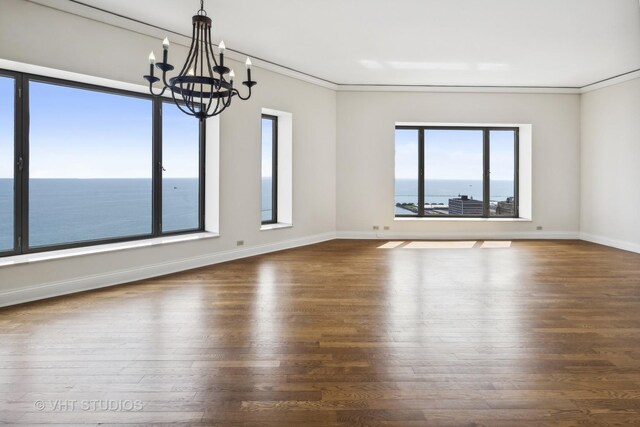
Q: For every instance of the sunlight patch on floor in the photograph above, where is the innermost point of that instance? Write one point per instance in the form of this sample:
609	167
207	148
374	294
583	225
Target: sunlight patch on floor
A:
447	244
492	244
390	245
441	244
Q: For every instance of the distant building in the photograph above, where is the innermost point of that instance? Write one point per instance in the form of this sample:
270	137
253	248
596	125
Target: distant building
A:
505	208
463	205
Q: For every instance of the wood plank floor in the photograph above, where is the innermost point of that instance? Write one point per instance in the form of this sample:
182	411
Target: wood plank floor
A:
341	334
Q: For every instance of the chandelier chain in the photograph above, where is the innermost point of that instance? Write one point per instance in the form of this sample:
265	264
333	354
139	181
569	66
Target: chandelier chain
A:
202	12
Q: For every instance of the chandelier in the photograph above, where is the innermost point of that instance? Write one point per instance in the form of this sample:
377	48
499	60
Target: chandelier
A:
204	86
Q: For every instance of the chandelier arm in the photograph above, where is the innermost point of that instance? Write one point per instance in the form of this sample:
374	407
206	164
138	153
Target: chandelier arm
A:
188	112
199	100
154	94
164	80
237	93
200	54
215	109
219	109
193	66
188	60
205	70
213	87
209	53
178	104
228	101
189	98
160	93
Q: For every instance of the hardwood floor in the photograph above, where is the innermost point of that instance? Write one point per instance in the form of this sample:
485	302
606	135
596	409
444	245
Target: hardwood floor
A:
341	334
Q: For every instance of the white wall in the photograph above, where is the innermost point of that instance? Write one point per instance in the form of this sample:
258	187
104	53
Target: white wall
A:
38	35
365	167
611	165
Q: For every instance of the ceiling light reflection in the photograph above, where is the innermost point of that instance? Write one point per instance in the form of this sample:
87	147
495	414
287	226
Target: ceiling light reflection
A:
446	66
493	67
371	64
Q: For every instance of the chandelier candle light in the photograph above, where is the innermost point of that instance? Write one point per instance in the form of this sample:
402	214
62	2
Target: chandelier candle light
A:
204	86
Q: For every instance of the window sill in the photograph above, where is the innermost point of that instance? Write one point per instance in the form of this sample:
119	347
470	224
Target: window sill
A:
464	219
275	226
97	249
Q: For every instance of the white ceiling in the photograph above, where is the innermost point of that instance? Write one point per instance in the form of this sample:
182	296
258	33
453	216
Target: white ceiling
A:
550	43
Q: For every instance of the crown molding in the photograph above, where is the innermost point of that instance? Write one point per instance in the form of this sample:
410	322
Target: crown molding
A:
611	81
460	89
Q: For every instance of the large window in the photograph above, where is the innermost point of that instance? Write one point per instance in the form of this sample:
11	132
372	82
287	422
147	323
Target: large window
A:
461	171
269	175
95	165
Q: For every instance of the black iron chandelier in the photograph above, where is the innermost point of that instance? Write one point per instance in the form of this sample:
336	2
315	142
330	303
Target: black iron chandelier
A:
204	86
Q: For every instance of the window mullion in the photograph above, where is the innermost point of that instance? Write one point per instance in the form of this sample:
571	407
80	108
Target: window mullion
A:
156	173
274	173
22	176
202	138
421	200
516	178
486	176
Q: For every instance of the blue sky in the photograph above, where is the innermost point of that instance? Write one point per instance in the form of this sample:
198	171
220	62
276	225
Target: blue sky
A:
180	144
86	134
267	150
6	127
78	133
454	154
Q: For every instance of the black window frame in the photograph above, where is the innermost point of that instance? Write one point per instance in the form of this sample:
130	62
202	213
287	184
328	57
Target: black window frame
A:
17	154
486	174
21	156
274	170
201	165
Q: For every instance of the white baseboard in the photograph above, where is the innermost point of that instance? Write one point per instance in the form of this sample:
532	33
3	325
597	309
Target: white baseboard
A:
618	244
54	289
466	235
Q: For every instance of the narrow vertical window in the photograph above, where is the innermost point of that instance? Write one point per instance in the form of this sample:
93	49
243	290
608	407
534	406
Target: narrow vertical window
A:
407	176
180	170
90	165
502	173
7	171
269	174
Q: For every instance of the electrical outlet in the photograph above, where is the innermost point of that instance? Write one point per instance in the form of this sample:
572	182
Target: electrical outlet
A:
386	227
375	227
539	227
240	243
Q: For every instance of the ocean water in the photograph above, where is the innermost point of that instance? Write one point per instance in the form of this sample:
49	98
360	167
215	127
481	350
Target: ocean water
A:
76	210
441	190
6	214
266	205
